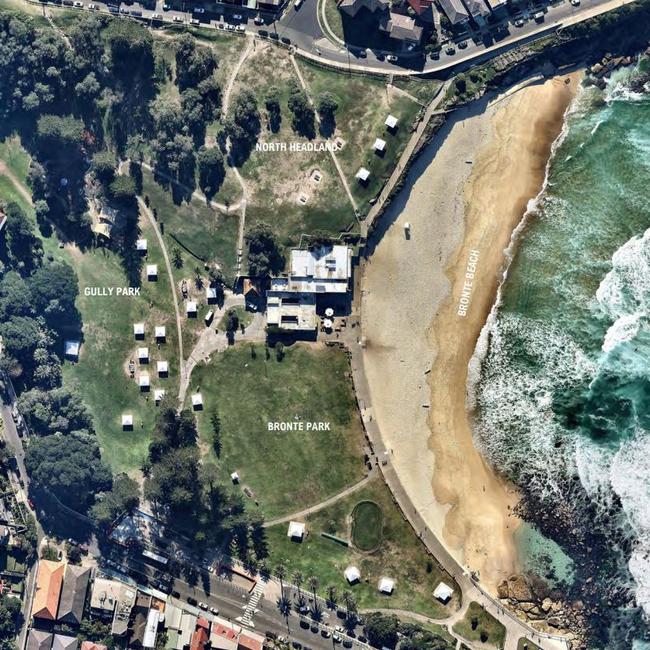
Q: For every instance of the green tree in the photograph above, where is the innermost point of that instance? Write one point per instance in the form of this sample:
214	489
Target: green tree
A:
103	165
59	132
264	252
212	170
327	106
272	105
381	630
123	190
303	116
24	247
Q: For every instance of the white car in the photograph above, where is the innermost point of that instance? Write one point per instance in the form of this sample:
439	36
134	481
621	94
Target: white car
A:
575	3
203	606
195	21
79	5
237	17
258	20
93	7
391	58
214	611
198	10
178	19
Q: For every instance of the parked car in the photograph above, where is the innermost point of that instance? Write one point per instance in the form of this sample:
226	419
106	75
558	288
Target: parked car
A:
462	45
304	624
137	13
176	594
93	7
198	10
156	16
192	601
539	16
237	17
203	606
274	36
263	32
325	633
297	4
450	50
258	20
195	21
575	3
286	40
178	19
391	58
79	5
68	3
214	610
520	22
166	7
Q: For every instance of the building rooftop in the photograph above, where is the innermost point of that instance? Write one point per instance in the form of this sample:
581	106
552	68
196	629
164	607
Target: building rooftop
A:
401	27
73	594
49	582
291	311
455	11
123	606
105	594
38	640
63	642
296	530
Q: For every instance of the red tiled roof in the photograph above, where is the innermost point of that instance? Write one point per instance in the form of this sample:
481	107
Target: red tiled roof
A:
49	581
199	639
249	643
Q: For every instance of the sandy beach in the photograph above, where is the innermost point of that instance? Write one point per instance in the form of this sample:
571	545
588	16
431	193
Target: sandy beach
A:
426	298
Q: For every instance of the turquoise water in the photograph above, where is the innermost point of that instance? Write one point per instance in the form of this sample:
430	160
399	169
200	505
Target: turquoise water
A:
563	400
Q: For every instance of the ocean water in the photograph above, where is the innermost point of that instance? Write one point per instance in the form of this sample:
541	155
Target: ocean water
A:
562	397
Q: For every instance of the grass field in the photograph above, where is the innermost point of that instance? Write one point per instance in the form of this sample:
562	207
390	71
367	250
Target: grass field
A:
367	524
364	104
277	179
478	626
194	227
102	372
286	470
400	556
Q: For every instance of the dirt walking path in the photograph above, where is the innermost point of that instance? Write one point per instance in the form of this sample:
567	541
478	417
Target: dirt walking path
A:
19	187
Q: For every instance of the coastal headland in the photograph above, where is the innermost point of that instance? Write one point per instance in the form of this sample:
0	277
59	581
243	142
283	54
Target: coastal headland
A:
428	288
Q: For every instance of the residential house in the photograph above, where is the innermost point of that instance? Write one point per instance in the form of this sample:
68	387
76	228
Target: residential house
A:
91	645
456	12
49	581
104	597
478	10
352	7
73	594
423	8
38	640
64	642
401	28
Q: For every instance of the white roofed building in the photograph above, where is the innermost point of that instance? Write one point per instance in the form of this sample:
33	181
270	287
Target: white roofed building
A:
296	531
71	349
163	368
141	245
160	332
197	401
352	574
152	271
138	330
443	592
386	585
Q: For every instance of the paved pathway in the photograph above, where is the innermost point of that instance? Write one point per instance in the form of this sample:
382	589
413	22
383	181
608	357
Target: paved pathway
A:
377	208
323	504
211	341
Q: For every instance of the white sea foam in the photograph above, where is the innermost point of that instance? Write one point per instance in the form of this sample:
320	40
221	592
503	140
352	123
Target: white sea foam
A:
630	478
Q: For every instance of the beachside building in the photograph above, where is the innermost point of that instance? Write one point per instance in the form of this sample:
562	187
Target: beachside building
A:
352	574
49	582
386	585
73	594
321	273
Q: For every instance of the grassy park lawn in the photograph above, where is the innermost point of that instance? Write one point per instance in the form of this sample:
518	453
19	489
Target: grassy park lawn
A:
108	344
423	89
480	626
286	470
201	233
364	104
277	179
400	556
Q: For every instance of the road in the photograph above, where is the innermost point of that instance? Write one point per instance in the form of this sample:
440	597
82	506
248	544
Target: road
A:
302	30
